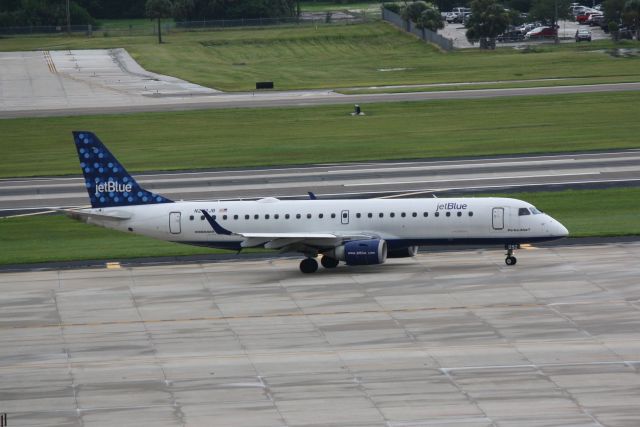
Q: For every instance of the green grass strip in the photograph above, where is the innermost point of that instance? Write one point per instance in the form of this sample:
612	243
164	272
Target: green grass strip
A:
586	213
333	56
285	136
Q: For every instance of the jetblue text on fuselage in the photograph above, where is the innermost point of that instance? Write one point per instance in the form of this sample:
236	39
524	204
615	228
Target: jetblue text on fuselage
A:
112	187
451	206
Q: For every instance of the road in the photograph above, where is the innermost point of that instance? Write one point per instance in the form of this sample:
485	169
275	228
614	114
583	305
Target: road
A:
374	179
308	98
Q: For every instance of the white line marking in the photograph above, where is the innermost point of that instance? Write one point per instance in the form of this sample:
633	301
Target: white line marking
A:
466	179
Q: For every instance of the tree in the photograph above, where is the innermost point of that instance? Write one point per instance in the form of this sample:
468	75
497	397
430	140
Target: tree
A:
613	10
632	14
430	19
412	11
159	9
488	20
550	11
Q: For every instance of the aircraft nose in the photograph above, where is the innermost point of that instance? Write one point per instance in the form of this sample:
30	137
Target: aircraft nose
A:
560	230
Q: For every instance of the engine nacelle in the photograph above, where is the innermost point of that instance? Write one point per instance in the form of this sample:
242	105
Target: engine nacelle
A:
403	252
361	252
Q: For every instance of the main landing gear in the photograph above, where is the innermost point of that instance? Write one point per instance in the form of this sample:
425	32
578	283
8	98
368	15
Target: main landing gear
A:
310	265
510	259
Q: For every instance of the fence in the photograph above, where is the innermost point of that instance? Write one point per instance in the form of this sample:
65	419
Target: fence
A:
424	33
150	28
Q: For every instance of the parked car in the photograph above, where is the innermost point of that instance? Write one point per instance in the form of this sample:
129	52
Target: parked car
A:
450	17
625	33
582	17
595	19
582	34
510	36
541	33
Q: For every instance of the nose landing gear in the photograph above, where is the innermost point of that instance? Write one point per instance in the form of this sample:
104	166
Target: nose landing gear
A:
510	259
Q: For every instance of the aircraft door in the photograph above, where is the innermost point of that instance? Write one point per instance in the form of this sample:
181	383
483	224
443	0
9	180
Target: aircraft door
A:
498	219
174	222
344	217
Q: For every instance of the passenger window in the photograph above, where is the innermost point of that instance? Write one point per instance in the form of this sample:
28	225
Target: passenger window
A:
333	215
426	214
345	215
247	217
298	216
309	216
287	216
523	211
266	216
415	214
437	214
224	217
403	214
381	215
370	215
201	217
235	217
392	214
459	213
320	216
256	216
191	218
470	213
448	214
358	215
276	216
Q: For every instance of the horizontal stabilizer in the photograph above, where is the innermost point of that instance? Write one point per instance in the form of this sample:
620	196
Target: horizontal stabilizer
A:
86	213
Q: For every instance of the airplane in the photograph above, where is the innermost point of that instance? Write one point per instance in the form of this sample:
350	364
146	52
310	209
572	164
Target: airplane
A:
354	231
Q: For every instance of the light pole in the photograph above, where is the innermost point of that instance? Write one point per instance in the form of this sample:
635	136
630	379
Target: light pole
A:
555	22
68	18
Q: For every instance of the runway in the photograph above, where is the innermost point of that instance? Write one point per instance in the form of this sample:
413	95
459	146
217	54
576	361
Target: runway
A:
417	178
444	339
109	81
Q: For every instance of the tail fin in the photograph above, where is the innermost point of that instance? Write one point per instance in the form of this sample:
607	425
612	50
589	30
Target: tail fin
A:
107	182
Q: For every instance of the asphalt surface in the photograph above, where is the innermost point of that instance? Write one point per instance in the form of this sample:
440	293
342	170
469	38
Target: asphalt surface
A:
356	180
444	339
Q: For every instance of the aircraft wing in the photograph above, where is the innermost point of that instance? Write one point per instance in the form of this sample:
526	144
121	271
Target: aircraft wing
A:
286	240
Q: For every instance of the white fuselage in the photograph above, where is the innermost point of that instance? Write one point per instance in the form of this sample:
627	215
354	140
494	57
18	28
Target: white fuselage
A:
400	222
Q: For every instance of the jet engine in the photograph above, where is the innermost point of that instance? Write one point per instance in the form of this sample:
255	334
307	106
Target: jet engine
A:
361	252
403	252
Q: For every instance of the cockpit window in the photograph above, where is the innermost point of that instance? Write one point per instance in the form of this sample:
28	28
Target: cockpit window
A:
535	211
523	211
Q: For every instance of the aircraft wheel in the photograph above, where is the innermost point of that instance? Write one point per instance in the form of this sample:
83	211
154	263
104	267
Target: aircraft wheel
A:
328	262
510	260
308	265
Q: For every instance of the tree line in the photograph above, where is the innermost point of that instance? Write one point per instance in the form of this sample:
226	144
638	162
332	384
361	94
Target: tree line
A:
490	18
54	12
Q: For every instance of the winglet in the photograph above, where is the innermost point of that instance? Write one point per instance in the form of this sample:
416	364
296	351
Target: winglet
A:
216	227
312	196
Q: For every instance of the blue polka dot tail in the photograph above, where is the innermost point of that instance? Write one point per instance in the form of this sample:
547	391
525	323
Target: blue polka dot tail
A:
107	181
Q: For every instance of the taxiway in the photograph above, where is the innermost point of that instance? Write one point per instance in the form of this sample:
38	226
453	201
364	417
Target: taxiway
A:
444	339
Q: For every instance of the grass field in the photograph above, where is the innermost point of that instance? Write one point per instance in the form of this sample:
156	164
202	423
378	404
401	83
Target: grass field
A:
340	56
280	136
57	238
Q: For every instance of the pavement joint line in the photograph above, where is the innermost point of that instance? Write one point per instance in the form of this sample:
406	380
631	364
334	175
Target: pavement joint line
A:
303	314
627	363
146	360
